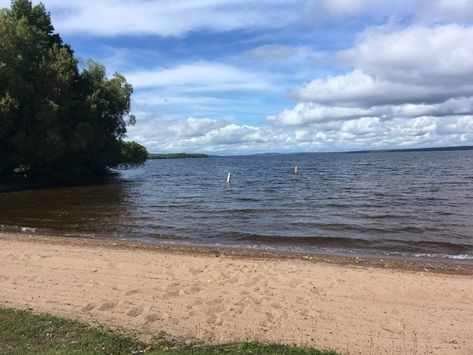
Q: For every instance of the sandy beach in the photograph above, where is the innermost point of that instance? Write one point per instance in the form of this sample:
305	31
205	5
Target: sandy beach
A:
218	296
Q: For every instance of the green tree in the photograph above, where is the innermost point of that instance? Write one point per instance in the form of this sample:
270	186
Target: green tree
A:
132	153
56	122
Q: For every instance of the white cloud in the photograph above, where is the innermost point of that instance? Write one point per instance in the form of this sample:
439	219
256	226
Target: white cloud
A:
305	113
191	134
399	75
392	66
279	52
169	18
446	10
358	89
178	18
407	87
308	113
200	76
439	55
352	7
222	137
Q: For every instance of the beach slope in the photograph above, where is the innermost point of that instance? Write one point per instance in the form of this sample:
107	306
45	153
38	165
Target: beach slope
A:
220	298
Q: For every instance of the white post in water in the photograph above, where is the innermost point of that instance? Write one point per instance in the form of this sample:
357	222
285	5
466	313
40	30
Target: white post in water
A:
296	170
229	178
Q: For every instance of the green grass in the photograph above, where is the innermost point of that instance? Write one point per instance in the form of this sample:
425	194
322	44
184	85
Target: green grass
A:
26	333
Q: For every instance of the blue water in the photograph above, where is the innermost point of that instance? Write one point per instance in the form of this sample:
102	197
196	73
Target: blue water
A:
409	204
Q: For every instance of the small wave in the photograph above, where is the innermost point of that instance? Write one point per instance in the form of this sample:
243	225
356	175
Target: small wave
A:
166	237
381	245
433	256
461	257
248	199
27	230
8	228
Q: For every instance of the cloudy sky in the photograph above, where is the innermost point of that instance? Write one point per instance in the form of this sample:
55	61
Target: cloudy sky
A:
245	76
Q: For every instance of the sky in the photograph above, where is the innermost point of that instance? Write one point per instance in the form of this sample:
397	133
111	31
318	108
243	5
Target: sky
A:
242	77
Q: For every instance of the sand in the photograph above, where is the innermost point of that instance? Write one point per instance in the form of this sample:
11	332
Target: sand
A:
218	297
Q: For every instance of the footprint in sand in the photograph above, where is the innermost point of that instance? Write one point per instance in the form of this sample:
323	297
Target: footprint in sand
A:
304	312
111	265
196	271
211	320
132	292
214	306
152	317
213	301
11	256
294	283
253	281
106	306
171	294
258	301
196	303
269	317
88	307
195	289
135	312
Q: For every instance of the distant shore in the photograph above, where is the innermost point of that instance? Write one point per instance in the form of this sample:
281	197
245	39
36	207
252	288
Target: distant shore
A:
221	295
176	156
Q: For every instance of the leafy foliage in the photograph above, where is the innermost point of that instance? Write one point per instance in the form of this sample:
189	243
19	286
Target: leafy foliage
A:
132	153
56	122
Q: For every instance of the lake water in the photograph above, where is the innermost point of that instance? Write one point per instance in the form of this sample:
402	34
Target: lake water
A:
409	204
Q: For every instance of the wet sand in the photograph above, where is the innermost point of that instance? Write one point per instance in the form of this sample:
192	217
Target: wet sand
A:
223	295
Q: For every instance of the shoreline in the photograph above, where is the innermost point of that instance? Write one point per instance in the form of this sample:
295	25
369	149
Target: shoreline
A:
217	296
440	266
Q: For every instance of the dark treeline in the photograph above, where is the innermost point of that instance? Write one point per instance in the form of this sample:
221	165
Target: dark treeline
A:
57	122
176	155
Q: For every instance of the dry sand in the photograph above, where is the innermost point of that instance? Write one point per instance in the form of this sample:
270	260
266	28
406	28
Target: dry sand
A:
197	295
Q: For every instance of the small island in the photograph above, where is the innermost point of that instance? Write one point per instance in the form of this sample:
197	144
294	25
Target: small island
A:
176	155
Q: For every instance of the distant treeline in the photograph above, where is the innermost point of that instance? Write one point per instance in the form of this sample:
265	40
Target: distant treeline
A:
176	156
407	150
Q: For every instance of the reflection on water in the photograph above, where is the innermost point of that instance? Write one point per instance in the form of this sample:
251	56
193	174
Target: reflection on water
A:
407	203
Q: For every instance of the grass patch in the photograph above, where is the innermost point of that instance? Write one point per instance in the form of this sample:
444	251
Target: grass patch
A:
23	332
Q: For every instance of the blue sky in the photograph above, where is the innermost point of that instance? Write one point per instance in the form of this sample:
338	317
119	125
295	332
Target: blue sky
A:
240	76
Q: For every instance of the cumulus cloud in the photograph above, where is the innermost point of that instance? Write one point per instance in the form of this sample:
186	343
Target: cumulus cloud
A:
307	113
435	56
398	73
409	65
357	88
407	87
216	136
203	134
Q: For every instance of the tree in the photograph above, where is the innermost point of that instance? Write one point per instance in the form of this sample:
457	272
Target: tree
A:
132	153
56	122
